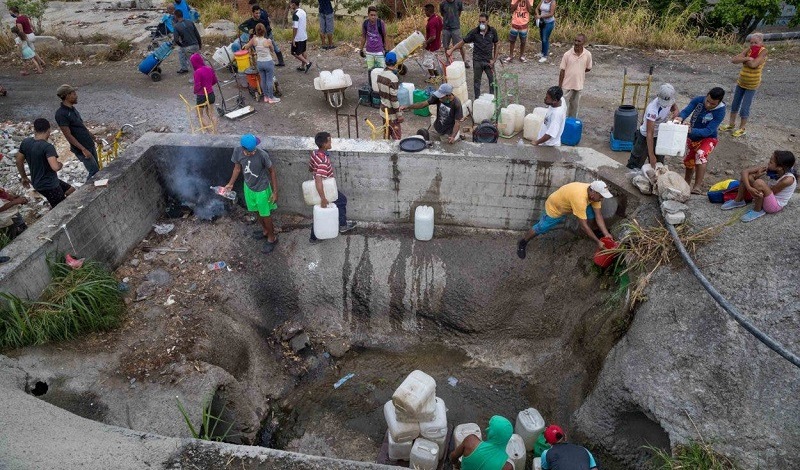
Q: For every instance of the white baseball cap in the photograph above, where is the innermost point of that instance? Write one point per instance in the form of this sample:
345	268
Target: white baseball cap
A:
602	188
666	95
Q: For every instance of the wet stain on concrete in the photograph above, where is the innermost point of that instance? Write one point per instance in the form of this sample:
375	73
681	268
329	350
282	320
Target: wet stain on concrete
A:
433	198
361	290
346	313
396	181
397	284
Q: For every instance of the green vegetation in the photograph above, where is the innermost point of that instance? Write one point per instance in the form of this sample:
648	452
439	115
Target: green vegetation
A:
693	456
76	301
208	428
745	15
32	8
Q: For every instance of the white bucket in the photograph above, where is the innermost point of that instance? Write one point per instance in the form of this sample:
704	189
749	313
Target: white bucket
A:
671	139
326	222
399	431
516	451
311	195
423	227
529	426
532	123
416	395
424	455
463	430
399	450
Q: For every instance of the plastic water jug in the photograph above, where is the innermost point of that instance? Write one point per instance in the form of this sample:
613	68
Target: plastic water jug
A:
519	116
399	450
409	86
416	395
338	75
399	431
671	139
311	195
326	221
423	224
404	97
532	123
421	95
442	447
463	430
148	64
424	455
466	107
437	427
486	96
537	463
573	128
223	55
461	92
455	71
373	77
482	110
416	39
626	119
529	425
516	451
506	124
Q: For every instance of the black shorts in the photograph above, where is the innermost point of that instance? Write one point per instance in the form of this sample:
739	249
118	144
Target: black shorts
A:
57	194
298	48
201	99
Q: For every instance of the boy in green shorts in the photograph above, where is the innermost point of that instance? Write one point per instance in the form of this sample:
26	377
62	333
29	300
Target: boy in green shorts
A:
260	186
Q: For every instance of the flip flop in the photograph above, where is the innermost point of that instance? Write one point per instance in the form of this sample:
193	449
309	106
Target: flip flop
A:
725	127
738	132
697	191
269	246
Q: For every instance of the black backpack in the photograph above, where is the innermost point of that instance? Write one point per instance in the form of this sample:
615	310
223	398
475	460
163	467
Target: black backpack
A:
381	30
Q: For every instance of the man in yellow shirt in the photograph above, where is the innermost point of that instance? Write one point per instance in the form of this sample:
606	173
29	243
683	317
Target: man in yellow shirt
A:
579	199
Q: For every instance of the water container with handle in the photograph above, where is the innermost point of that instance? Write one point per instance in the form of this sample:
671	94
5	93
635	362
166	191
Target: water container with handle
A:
506	124
338	77
529	426
404	97
424	455
463	430
626	119
437	427
399	450
326	221
573	128
482	110
311	195
423	223
419	96
516	451
519	115
416	395
399	431
671	139
532	123
604	260
242	60
455	71
148	64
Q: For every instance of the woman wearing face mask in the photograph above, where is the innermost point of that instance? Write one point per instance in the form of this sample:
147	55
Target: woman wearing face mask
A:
484	38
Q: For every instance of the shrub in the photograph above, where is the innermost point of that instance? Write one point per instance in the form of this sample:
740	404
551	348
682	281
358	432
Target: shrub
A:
76	301
32	8
695	456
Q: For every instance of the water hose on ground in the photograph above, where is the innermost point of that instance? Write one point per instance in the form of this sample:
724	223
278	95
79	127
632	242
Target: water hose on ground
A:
727	306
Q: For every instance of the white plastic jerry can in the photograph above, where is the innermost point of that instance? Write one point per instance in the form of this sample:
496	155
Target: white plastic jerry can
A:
399	450
506	124
519	115
399	431
463	430
532	123
436	428
424	455
311	195
529	425
537	463
516	451
482	109
416	395
423	223
671	139
326	221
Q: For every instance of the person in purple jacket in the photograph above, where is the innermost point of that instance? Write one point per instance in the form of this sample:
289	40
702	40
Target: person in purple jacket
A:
204	81
704	115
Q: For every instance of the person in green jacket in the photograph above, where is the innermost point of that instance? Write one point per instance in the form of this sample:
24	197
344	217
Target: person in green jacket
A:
489	454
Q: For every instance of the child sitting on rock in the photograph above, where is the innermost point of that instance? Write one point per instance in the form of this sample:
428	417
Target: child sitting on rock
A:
768	196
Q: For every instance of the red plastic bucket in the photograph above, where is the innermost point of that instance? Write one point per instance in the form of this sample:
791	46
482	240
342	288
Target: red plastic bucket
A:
602	259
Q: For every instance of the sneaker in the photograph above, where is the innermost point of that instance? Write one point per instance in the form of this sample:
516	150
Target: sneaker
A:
308	67
466	65
523	59
521	246
506	59
346	228
752	215
725	127
538	54
273	100
280	65
301	69
543	60
332	46
732	204
269	247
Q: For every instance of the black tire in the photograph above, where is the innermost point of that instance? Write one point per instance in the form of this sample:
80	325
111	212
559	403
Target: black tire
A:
402	69
220	111
158	69
155	76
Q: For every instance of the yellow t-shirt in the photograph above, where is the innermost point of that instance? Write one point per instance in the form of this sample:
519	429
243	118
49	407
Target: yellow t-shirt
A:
572	198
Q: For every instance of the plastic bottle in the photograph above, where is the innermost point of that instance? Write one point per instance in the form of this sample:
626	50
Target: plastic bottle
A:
224	192
217	266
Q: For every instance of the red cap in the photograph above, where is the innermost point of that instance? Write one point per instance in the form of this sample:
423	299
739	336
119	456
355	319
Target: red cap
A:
553	434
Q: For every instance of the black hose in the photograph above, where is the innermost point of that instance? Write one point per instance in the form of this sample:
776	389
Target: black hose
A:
732	310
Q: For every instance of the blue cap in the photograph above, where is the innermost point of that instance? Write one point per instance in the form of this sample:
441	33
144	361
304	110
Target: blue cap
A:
249	142
390	58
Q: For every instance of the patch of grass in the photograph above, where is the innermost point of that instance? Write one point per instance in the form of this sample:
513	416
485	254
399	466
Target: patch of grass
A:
119	51
210	421
76	301
692	456
4	239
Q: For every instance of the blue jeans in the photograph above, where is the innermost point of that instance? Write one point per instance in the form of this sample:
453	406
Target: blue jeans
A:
184	53
742	98
274	44
546	223
545	29
266	70
90	164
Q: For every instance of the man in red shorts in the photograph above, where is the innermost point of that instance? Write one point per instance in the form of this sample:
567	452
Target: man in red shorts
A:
704	114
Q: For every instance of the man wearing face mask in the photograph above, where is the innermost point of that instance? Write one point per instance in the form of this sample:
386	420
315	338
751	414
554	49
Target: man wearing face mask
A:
484	38
388	84
553	124
448	113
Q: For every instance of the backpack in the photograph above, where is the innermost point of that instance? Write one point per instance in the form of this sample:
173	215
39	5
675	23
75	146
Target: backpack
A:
381	30
723	191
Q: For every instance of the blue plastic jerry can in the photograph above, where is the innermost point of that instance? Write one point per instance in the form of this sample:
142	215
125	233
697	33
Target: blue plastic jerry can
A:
573	128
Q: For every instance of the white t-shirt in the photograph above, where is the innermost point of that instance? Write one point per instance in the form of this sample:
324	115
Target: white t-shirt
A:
656	114
299	22
553	124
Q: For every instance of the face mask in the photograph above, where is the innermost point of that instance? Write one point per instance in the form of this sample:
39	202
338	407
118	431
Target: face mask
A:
482	26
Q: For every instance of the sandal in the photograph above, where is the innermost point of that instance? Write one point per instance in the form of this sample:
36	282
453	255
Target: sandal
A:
739	132
697	191
725	127
522	59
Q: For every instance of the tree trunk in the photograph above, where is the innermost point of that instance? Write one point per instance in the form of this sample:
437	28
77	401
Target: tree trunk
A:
747	26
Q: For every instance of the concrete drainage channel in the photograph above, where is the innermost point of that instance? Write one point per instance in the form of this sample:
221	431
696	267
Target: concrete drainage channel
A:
498	334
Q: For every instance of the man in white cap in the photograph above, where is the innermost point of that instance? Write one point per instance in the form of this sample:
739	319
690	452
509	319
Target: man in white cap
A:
579	199
448	113
660	110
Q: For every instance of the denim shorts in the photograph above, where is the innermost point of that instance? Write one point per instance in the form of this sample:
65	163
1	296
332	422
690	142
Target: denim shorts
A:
513	33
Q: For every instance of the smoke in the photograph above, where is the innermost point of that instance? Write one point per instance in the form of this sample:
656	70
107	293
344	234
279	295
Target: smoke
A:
188	173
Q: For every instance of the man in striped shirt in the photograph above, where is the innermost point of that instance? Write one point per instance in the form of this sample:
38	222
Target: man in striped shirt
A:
388	85
321	167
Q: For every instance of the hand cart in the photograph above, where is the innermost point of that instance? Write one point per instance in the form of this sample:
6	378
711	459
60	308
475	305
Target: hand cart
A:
151	65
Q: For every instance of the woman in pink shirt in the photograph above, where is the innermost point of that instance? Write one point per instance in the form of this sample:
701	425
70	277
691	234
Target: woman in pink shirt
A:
204	81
